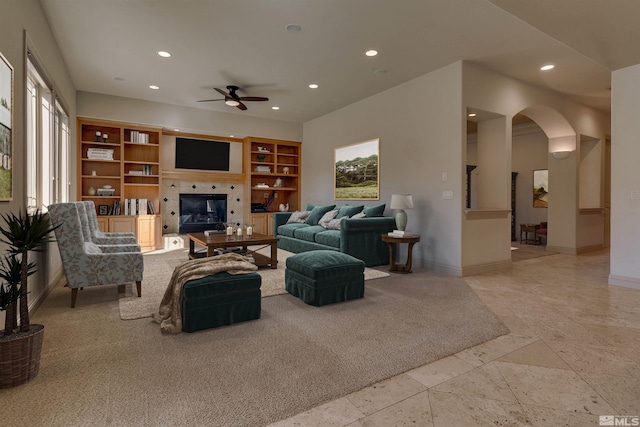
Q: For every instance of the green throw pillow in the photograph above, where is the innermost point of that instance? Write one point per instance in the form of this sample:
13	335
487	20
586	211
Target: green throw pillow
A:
349	211
317	213
374	210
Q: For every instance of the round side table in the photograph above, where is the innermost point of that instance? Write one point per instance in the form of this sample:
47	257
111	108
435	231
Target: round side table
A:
410	240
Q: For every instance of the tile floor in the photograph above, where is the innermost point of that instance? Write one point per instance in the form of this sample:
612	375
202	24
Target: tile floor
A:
571	356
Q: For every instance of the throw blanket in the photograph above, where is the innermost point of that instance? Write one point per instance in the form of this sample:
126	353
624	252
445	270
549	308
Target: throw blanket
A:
169	315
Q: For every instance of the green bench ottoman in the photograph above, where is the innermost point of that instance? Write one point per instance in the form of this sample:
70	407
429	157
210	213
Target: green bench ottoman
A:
220	299
324	277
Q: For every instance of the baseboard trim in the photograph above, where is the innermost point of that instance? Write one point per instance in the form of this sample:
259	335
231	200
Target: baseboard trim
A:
441	268
37	301
627	282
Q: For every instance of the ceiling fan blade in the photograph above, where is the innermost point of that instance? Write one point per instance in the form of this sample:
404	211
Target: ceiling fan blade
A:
223	93
209	100
253	98
241	106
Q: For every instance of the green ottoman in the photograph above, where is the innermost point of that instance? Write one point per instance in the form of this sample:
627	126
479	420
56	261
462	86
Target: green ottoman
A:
220	299
324	277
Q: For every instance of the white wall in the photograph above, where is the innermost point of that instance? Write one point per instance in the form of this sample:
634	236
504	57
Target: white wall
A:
418	124
16	17
625	180
186	119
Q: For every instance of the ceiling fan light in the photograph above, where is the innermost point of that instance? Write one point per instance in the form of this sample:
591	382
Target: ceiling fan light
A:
232	102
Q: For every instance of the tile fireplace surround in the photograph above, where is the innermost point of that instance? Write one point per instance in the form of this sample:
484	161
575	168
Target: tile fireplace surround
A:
170	200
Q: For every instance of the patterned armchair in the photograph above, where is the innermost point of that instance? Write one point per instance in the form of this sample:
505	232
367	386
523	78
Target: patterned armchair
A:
96	235
87	264
124	243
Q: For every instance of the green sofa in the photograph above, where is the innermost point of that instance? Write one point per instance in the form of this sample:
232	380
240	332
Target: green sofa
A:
358	237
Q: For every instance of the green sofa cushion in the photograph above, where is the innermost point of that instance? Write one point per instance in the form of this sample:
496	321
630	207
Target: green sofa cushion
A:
308	233
317	212
289	229
372	211
349	211
329	238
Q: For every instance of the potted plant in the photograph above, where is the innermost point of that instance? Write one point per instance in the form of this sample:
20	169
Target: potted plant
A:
20	346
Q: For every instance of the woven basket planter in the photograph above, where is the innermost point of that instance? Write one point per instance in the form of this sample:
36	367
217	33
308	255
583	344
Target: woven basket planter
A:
20	356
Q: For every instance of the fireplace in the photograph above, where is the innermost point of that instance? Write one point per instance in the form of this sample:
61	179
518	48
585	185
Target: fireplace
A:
201	212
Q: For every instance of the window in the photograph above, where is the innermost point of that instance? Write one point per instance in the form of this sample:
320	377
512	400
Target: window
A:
47	138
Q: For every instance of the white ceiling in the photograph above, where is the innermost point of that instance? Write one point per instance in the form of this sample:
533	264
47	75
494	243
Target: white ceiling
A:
110	47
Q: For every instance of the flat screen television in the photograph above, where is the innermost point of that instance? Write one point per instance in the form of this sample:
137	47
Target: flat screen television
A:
202	154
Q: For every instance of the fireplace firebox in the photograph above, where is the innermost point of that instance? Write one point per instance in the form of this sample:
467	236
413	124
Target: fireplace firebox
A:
201	212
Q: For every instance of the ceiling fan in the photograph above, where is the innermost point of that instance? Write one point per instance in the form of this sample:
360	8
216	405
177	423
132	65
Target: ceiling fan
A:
232	99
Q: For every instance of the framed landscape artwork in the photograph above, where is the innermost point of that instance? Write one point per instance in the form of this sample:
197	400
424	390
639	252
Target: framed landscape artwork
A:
540	188
6	133
357	171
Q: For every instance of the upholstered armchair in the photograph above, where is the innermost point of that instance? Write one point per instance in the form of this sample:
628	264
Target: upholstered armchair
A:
125	243
87	264
97	235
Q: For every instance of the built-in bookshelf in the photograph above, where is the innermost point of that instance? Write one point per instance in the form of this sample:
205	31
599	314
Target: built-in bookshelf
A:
273	179
120	162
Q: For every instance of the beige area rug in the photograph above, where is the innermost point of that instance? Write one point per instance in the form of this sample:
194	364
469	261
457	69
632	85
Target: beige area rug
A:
158	267
296	356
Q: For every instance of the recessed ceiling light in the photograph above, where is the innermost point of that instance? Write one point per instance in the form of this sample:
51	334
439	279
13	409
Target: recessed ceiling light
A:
371	52
275	108
472	114
380	72
154	87
313	86
164	54
293	28
547	67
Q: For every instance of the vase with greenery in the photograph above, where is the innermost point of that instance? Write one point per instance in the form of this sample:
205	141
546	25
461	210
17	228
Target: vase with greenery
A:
20	345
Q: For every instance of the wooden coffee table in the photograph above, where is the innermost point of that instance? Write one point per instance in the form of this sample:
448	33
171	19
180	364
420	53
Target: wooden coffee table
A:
215	241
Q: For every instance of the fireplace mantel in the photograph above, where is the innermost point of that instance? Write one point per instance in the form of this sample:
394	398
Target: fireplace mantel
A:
200	176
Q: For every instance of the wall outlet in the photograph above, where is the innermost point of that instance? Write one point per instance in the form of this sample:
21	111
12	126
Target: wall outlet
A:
635	194
444	176
447	194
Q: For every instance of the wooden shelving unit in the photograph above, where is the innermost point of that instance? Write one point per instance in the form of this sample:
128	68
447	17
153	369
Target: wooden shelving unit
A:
134	173
273	177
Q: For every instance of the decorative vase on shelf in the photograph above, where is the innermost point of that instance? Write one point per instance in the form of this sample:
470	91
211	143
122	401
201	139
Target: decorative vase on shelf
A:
91	191
284	208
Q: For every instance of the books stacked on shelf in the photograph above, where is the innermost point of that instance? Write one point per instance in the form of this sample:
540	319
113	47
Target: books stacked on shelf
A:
146	170
402	233
115	208
100	153
138	207
106	192
262	169
139	137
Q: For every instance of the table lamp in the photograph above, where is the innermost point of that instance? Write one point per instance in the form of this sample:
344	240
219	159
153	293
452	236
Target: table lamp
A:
401	202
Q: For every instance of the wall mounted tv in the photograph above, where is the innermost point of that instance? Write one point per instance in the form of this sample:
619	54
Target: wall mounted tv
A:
202	154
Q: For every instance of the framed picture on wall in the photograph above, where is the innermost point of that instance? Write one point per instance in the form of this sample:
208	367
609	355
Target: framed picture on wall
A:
541	188
356	168
6	130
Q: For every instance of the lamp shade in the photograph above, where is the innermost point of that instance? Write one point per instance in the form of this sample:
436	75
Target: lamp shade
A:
401	201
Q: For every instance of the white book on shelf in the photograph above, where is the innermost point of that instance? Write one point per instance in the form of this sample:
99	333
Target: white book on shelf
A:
394	234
